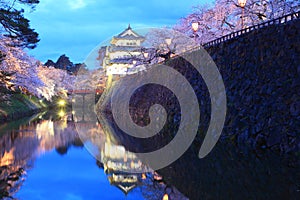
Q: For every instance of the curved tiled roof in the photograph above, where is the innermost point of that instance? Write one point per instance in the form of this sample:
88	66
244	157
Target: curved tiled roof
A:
129	37
120	36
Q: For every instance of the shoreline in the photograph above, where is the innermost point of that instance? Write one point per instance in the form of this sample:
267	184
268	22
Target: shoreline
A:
21	105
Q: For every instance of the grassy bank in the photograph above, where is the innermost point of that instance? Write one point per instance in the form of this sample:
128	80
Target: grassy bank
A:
20	105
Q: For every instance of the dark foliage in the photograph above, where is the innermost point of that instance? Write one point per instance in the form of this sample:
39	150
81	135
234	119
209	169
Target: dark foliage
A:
16	26
63	62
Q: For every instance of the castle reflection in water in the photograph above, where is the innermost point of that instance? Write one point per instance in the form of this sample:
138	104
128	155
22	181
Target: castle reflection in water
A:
25	140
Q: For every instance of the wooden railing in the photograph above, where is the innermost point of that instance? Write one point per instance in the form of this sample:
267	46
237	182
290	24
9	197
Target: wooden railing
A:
280	20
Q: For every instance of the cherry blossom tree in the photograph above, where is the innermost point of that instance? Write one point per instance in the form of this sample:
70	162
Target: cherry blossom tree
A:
225	16
22	67
57	82
89	79
25	74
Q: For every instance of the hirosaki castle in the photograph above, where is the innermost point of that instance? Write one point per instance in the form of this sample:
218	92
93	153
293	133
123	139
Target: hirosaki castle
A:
118	56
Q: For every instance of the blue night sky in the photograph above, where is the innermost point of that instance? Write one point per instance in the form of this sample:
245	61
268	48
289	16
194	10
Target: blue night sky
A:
75	27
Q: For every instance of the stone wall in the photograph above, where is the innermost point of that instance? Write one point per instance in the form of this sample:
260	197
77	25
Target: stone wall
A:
261	73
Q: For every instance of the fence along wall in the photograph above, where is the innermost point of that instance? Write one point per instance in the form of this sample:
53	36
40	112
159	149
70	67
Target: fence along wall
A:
281	20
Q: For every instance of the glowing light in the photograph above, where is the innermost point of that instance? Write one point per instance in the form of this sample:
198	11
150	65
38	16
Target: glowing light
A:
8	158
165	197
132	165
144	176
61	102
73	112
146	54
195	26
168	41
61	113
242	3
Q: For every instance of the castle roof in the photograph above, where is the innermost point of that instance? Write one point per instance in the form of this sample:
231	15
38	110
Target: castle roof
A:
129	34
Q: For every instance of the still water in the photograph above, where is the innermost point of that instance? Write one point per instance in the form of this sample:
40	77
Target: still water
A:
43	157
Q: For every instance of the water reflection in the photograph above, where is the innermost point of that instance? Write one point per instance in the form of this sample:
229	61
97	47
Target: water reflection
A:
24	141
122	167
231	171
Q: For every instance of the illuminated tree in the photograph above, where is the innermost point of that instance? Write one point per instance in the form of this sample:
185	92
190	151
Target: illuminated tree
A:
57	82
22	67
25	74
225	16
